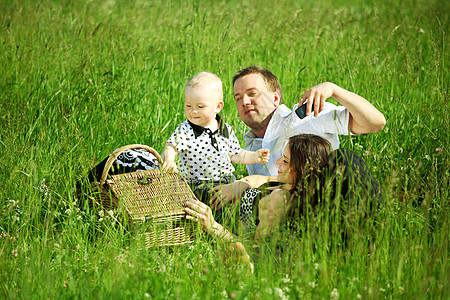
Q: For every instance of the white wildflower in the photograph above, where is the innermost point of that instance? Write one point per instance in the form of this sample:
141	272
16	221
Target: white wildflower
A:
286	279
14	253
280	294
334	294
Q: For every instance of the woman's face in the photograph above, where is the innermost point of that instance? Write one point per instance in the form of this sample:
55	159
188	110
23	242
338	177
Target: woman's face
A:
285	172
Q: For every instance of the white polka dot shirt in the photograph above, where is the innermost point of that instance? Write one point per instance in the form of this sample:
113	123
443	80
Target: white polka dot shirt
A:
205	155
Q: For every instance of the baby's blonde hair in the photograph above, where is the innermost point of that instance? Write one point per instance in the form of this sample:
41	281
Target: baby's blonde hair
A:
206	80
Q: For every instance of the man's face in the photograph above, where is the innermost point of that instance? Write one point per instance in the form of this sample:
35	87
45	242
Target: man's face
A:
254	101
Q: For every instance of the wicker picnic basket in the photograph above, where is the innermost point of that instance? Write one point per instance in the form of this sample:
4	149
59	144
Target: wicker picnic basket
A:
152	197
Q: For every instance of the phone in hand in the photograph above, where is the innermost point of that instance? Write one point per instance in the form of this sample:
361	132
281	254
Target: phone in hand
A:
301	111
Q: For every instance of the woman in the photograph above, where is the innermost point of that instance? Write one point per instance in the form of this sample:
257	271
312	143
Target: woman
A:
306	172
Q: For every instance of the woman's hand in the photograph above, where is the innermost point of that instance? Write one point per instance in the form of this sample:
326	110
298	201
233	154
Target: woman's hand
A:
198	211
223	194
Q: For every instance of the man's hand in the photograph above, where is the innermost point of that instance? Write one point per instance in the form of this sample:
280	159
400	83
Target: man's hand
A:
363	116
317	96
223	194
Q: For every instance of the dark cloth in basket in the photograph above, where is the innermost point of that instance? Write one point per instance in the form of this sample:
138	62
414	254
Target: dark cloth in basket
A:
129	161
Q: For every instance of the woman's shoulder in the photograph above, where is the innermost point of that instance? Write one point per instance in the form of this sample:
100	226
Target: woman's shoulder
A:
279	193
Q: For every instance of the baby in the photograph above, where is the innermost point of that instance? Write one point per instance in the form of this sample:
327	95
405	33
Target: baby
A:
207	145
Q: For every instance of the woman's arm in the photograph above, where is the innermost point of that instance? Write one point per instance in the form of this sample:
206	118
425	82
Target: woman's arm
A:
271	211
201	213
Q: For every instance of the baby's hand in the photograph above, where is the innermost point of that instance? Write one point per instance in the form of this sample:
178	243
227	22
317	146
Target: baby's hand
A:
262	156
169	167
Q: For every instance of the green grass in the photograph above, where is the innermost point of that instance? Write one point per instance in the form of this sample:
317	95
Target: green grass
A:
56	125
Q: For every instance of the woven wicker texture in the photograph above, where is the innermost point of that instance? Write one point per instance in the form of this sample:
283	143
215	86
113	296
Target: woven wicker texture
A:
152	196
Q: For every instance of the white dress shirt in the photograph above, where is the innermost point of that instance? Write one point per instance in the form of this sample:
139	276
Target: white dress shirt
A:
331	122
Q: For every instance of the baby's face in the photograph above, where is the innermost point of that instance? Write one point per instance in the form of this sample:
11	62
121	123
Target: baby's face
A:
201	105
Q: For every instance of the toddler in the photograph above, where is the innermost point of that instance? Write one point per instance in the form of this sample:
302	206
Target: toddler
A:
207	145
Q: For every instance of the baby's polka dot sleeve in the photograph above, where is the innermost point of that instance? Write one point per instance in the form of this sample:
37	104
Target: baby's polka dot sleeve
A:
235	147
178	138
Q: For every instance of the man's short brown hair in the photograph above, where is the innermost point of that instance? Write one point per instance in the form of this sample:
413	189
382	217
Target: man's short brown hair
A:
271	81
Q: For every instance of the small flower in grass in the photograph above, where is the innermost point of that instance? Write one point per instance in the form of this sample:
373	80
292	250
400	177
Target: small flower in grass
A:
427	157
280	294
286	279
14	253
334	294
68	211
101	213
104	84
439	150
147	295
3	235
401	289
382	290
358	296
90	80
312	284
316	266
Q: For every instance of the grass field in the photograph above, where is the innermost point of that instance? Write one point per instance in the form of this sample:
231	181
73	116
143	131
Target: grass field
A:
82	78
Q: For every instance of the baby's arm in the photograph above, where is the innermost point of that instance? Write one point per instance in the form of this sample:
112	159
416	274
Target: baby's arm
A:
168	157
250	157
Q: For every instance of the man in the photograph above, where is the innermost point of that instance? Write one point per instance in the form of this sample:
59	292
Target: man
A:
259	101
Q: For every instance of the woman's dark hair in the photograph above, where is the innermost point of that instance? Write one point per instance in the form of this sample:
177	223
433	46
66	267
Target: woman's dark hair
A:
309	160
309	154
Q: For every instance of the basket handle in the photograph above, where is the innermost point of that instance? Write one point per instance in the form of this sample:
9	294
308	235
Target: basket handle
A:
119	151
